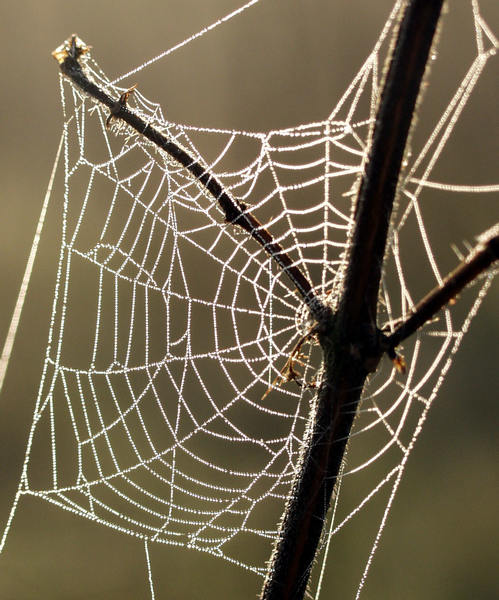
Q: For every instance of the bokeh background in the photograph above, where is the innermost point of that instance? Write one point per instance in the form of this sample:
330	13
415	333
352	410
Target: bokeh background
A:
278	64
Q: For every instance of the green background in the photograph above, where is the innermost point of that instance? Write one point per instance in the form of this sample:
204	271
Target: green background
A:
278	64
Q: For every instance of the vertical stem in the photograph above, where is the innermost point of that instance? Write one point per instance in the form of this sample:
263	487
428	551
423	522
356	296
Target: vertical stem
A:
350	339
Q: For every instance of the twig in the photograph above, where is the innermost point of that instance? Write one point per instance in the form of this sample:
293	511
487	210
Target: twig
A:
69	56
485	253
351	339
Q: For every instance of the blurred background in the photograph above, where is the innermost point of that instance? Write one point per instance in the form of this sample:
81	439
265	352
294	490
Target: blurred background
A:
278	64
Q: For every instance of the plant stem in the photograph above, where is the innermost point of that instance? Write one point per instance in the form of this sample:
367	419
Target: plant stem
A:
350	339
485	253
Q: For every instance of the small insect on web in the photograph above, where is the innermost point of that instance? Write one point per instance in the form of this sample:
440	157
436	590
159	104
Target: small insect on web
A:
296	359
190	436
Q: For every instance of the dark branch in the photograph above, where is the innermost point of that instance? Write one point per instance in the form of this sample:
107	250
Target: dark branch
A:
481	258
378	187
350	339
69	58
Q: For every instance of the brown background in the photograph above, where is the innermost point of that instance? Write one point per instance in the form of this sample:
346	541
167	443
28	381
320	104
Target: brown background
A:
278	64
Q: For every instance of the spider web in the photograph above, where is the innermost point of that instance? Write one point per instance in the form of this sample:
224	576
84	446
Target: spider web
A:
160	411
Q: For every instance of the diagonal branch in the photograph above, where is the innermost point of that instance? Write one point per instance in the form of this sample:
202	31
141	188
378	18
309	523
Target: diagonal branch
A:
69	56
485	253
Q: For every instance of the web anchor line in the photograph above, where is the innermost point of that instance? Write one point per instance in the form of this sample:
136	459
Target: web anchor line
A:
69	55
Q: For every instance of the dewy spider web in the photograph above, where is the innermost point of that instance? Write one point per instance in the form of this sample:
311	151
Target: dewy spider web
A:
161	412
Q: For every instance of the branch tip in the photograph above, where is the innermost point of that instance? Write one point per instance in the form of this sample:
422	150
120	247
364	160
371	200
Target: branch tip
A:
68	56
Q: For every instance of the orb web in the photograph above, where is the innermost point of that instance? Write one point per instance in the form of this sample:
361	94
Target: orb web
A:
162	411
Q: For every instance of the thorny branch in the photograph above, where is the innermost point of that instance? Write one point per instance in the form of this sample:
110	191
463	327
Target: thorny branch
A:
70	56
